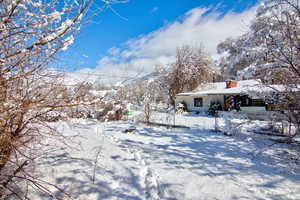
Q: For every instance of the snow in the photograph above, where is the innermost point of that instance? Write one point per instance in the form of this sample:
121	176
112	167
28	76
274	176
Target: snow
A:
67	42
243	87
100	93
220	88
55	15
154	162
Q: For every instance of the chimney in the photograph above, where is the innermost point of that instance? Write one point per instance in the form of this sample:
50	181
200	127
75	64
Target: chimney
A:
231	84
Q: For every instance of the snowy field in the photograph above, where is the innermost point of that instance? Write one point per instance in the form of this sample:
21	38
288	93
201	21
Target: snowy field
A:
103	162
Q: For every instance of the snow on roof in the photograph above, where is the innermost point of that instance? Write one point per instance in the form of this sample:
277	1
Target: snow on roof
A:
222	85
100	93
243	86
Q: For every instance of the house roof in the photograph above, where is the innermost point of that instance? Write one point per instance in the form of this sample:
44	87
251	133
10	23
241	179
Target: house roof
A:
243	87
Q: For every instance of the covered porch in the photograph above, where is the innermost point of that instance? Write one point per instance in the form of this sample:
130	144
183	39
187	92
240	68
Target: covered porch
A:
244	104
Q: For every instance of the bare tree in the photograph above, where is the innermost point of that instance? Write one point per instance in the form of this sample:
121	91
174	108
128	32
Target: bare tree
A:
192	67
283	18
270	51
31	34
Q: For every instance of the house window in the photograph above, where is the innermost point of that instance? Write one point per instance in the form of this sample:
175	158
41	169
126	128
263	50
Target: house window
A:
198	102
258	102
245	101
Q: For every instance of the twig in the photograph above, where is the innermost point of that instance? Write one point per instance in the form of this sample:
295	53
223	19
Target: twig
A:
95	163
15	173
96	158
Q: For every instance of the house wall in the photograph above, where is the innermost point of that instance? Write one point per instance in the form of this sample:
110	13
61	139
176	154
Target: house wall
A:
215	98
189	100
253	109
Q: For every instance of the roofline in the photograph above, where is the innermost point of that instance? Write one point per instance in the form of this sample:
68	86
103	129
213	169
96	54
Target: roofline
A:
207	94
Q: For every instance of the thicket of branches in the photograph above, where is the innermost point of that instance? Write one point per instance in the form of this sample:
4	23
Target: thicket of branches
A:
31	34
270	51
192	67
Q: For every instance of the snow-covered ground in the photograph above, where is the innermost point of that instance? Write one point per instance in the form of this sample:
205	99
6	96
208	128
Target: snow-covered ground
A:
104	162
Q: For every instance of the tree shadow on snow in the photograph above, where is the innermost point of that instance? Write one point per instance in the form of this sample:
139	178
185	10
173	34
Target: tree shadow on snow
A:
208	153
78	182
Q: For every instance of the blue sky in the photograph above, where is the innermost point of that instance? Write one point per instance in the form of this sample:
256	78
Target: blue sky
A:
110	36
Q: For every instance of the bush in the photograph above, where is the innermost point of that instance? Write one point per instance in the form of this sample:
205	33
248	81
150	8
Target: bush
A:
181	107
214	107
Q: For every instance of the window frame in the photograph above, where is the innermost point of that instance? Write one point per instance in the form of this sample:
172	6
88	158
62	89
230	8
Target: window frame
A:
196	101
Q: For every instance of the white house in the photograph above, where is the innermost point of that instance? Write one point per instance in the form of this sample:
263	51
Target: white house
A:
229	94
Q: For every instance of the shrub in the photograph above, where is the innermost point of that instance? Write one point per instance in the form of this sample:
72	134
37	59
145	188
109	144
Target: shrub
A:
214	107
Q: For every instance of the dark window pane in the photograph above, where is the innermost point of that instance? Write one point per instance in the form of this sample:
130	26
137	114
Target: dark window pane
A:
246	101
198	102
258	102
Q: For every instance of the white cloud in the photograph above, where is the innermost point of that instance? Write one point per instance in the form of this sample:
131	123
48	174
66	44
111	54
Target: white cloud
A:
198	26
154	10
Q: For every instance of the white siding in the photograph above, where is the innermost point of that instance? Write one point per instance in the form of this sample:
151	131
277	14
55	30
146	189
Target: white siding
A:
189	100
253	109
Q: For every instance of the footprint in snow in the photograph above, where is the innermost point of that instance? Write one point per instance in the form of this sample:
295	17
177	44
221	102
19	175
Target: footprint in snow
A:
153	190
